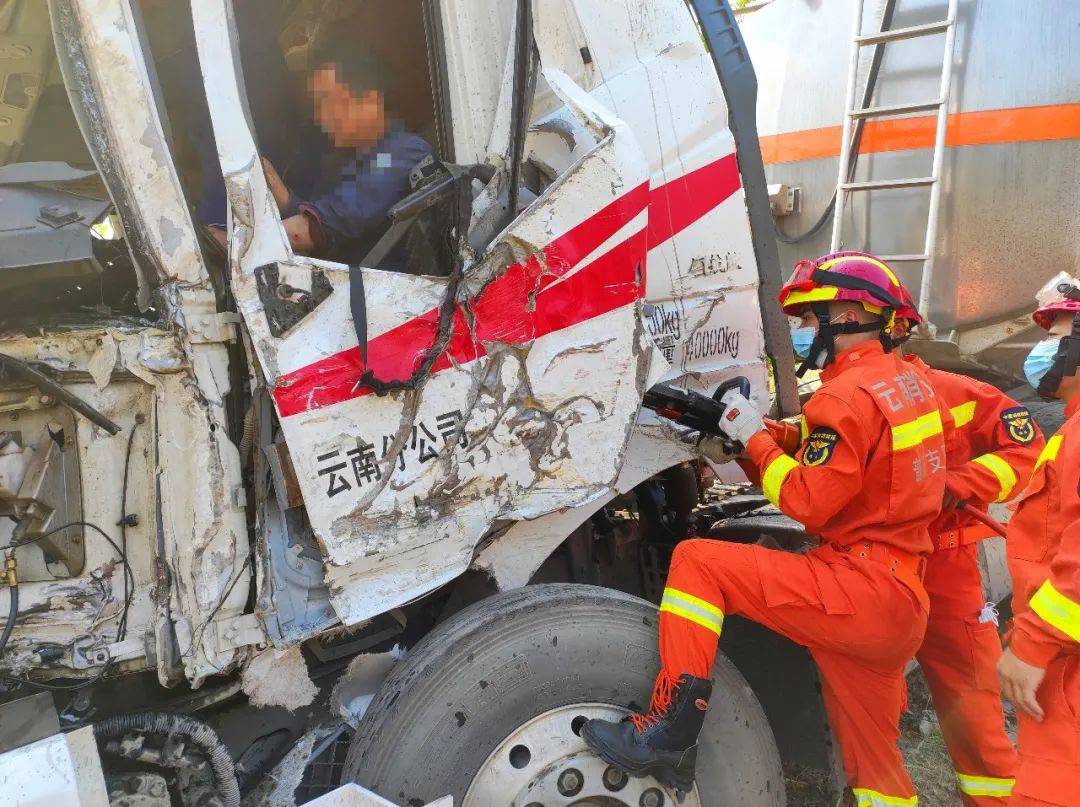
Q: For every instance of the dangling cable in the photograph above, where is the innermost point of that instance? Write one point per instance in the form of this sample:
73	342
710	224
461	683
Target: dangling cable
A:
12	580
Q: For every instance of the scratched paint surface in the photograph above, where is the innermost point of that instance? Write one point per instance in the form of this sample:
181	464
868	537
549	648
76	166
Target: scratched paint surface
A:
527	410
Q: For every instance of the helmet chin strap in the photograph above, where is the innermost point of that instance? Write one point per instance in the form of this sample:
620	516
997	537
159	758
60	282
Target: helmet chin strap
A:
824	344
1066	360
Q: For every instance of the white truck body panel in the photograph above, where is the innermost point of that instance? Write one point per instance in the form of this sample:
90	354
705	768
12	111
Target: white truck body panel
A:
531	408
61	769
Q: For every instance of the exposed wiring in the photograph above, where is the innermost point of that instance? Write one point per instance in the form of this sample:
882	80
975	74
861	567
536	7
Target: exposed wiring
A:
197	734
228	591
59	687
202	627
129	577
815	228
13	604
121	628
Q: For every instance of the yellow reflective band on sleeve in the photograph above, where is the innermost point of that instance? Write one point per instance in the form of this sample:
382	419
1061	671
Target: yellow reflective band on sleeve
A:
1058	610
963	414
812	296
985	786
911	434
774	476
699	611
1006	476
1050	451
871	798
804	428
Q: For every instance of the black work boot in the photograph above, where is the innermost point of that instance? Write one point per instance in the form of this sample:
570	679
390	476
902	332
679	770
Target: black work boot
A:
662	743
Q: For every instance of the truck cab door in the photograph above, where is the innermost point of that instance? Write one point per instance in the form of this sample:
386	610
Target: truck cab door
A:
523	378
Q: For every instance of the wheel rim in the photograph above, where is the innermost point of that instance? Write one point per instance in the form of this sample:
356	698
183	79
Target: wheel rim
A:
545	763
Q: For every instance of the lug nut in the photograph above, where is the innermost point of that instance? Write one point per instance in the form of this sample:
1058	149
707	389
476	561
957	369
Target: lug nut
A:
614	779
570	782
651	798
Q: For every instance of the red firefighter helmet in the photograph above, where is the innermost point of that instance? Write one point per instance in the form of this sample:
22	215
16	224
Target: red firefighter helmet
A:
1061	300
856	277
908	309
844	276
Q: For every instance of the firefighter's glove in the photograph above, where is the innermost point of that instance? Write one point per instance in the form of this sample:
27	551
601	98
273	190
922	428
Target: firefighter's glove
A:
741	419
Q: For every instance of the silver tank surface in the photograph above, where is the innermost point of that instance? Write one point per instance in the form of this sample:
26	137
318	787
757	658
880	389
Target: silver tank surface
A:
1011	171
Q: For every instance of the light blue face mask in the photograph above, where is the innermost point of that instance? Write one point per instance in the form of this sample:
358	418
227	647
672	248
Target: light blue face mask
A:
801	339
1040	359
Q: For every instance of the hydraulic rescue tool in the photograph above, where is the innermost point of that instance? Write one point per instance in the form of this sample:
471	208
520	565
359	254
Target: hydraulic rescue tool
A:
692	409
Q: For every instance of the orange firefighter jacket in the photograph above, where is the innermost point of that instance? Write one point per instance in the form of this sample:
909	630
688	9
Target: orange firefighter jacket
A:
871	465
1044	551
992	448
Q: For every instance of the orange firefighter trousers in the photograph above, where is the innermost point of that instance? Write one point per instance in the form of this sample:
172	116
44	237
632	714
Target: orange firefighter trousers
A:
858	622
1049	772
959	658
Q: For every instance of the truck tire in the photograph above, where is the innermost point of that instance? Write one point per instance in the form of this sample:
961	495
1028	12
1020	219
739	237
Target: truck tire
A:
487	709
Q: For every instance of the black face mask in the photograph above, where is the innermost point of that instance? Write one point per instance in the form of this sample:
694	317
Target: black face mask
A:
824	344
1066	361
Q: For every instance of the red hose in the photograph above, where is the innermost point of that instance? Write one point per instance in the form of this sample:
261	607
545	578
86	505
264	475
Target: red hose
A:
983	518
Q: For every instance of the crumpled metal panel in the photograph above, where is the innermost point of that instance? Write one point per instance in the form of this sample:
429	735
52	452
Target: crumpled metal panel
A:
703	285
527	410
529	407
114	96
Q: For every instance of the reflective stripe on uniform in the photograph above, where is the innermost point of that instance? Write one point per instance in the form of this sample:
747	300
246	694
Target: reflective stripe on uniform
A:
1006	476
963	414
871	798
804	429
1058	610
695	609
985	786
775	474
911	434
1050	451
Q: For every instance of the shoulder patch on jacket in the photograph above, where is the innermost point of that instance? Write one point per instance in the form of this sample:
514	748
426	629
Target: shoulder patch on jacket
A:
1017	421
819	446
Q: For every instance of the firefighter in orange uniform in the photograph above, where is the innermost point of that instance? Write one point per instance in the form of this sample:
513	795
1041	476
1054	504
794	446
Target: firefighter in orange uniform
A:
1040	670
868	478
993	445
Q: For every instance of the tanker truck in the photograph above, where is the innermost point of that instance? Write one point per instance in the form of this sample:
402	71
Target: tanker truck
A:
942	135
977	222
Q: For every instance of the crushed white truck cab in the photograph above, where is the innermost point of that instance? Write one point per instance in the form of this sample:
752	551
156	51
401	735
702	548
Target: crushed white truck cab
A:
228	475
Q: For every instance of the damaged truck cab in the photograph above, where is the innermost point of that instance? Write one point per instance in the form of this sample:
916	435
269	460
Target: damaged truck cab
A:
344	457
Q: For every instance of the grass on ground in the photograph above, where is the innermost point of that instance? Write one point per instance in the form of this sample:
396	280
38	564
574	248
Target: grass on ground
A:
924	752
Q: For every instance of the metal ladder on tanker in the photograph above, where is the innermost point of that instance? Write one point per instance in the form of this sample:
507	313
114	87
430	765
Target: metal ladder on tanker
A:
844	185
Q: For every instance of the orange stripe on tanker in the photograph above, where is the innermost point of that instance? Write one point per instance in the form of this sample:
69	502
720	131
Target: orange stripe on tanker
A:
978	128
